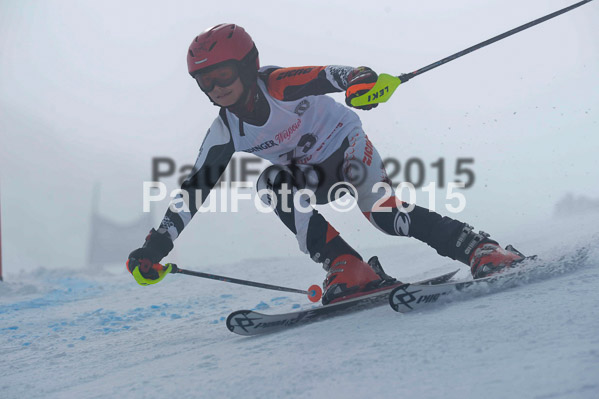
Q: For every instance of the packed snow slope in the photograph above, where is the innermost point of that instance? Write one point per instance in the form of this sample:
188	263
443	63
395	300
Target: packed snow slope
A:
98	334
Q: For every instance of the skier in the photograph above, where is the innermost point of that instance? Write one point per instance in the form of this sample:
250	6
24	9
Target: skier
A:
284	116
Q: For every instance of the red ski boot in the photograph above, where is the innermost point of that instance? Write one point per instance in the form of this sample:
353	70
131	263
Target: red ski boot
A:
348	276
489	258
484	256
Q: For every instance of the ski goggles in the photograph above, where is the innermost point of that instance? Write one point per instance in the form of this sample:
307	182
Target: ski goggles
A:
221	76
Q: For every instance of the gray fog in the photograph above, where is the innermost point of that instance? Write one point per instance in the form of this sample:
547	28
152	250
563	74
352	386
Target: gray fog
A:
91	91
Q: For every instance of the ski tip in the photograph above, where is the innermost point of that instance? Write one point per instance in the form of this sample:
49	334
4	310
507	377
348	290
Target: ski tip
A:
238	321
439	279
392	300
314	293
451	274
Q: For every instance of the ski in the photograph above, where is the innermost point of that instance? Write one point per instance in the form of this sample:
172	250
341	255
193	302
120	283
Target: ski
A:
409	297
249	322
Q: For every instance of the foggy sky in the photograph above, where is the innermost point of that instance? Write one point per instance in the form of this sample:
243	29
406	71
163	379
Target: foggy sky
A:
91	91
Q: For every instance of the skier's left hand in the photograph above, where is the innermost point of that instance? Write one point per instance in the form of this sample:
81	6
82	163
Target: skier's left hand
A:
143	263
359	82
143	271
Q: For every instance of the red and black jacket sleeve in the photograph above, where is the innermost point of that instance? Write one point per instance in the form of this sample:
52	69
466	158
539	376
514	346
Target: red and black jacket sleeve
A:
289	84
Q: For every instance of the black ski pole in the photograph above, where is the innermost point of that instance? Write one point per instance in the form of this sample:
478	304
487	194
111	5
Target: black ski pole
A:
314	292
386	84
407	76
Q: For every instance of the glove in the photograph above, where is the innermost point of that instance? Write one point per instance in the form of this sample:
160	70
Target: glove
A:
360	81
143	262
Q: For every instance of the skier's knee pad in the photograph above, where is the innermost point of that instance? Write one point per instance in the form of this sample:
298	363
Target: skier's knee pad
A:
271	180
277	179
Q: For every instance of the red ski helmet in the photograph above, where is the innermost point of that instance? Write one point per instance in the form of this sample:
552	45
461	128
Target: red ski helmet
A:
222	43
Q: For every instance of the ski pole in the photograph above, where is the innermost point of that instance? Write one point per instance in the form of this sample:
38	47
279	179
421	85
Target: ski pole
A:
386	84
314	292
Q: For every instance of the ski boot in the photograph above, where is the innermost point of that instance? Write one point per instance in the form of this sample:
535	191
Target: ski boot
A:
489	259
484	256
348	276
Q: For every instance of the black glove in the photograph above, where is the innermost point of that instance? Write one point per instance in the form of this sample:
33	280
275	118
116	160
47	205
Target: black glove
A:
360	81
143	262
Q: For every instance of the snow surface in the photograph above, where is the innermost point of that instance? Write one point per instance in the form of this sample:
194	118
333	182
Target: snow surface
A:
90	335
525	108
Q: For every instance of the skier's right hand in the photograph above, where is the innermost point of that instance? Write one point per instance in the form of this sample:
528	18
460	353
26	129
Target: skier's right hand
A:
359	82
143	262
